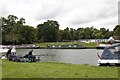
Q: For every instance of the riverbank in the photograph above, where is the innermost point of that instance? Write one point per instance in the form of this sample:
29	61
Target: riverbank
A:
55	70
91	45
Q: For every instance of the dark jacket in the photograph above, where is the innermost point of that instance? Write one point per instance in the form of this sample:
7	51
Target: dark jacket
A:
8	52
30	53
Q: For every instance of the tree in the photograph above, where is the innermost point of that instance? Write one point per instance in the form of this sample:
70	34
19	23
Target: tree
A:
108	34
21	21
103	30
80	32
98	35
7	26
48	31
66	34
117	30
15	32
28	35
60	32
73	34
88	33
11	20
94	31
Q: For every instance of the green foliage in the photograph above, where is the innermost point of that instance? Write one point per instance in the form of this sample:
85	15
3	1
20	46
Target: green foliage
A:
99	35
66	34
117	30
108	34
15	32
80	32
48	31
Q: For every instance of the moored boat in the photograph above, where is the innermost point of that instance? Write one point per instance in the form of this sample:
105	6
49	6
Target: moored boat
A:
4	49
102	46
65	46
110	55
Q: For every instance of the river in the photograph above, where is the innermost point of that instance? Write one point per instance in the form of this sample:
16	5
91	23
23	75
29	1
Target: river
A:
74	56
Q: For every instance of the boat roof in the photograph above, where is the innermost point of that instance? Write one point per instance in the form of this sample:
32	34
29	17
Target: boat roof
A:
109	53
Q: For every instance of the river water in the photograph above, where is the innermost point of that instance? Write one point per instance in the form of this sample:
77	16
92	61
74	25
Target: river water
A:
74	56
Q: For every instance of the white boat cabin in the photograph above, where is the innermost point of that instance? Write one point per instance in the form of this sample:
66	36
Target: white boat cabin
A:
4	49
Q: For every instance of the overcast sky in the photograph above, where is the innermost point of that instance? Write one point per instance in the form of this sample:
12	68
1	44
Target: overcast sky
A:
69	13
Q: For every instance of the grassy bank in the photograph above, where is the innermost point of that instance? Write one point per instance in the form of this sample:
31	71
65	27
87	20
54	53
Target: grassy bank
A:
92	44
55	70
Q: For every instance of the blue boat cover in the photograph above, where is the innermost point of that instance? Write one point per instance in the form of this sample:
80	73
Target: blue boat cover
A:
109	54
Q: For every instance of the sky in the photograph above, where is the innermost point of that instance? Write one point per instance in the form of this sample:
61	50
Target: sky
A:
69	13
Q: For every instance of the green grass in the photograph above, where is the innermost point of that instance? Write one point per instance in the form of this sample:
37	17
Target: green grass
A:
91	44
55	70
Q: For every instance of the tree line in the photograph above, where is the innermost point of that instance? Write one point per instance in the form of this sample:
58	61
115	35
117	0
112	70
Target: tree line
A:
14	31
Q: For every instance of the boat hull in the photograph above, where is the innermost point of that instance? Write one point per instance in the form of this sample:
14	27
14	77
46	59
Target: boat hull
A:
100	47
102	62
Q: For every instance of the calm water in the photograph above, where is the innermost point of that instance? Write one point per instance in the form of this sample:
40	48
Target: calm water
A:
74	56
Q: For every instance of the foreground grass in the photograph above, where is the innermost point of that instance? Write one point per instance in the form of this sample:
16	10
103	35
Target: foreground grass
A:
55	70
91	44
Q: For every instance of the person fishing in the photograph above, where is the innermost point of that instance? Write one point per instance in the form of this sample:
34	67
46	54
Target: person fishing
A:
8	53
30	52
30	56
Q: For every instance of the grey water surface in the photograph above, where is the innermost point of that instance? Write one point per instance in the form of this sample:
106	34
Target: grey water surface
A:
74	56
